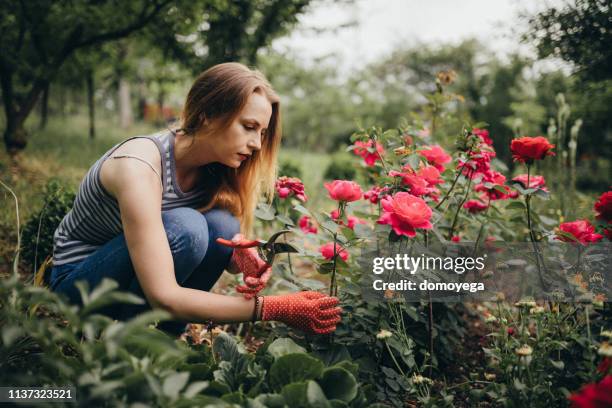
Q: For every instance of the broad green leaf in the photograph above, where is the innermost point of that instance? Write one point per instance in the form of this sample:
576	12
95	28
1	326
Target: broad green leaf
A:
174	383
293	368
283	346
338	383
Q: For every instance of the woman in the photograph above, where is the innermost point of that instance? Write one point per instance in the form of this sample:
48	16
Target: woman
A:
151	220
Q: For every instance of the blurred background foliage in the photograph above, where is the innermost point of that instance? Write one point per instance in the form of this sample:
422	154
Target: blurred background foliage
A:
76	77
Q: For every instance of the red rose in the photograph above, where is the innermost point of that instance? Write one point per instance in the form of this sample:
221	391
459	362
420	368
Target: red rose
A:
306	225
582	230
477	163
430	174
527	149
493	193
287	185
595	395
456	238
344	190
327	250
483	134
436	156
534	181
603	207
475	206
405	212
361	149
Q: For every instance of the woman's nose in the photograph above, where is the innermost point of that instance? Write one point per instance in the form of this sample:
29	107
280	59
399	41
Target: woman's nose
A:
255	143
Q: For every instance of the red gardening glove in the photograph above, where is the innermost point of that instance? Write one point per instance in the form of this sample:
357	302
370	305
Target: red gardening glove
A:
312	312
255	271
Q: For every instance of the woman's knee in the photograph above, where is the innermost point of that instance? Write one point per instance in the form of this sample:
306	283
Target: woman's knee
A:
221	224
187	232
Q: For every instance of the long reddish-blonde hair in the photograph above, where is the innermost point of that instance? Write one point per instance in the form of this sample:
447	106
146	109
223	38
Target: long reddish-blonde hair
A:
217	96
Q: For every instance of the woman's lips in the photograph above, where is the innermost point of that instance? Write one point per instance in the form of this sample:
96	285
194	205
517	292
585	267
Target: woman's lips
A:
243	156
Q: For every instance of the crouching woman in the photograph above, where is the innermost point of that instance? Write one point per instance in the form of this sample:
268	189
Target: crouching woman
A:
149	212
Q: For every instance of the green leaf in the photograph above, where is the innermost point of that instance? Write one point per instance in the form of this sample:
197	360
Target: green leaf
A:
559	365
293	368
174	384
195	388
330	226
302	209
264	212
516	205
338	383
283	346
285	220
305	394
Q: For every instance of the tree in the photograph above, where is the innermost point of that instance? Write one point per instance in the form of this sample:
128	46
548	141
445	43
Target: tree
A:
36	38
580	33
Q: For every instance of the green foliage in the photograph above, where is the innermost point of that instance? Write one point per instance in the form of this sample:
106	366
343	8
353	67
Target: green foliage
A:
290	168
578	32
37	235
46	342
341	167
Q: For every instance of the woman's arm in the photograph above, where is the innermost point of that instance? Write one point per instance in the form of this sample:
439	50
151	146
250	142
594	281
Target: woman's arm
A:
138	192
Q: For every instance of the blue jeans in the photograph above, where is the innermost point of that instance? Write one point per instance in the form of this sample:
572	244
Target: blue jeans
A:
198	259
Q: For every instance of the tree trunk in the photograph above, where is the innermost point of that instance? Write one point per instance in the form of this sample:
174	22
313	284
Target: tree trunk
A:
91	104
15	135
44	108
125	106
161	96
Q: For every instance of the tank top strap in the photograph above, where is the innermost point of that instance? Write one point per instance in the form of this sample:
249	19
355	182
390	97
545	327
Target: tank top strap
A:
159	177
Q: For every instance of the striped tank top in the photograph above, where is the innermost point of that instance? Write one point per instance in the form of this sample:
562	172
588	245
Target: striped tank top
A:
95	218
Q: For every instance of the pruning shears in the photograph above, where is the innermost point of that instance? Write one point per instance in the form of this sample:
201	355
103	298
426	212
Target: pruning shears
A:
267	249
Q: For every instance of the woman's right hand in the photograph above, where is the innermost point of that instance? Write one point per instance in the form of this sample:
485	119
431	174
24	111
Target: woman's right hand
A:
310	311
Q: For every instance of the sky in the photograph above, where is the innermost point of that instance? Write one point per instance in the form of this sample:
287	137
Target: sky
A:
375	27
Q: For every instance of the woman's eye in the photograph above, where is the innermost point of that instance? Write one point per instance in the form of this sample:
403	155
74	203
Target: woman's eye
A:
247	127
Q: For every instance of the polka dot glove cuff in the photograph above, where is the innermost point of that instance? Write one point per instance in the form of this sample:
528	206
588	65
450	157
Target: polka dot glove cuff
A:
312	312
255	271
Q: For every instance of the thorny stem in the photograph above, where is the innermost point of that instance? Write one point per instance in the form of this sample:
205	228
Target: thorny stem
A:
456	217
333	288
452	185
532	233
482	224
382	160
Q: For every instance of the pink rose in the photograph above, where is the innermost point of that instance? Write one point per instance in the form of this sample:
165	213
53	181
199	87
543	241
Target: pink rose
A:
370	158
405	212
534	181
287	185
375	193
582	230
327	250
436	156
306	225
483	134
497	179
475	206
344	190
430	174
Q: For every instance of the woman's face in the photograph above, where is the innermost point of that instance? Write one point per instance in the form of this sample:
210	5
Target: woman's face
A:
245	134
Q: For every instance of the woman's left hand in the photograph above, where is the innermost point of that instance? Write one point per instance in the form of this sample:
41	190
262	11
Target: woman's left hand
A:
255	271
